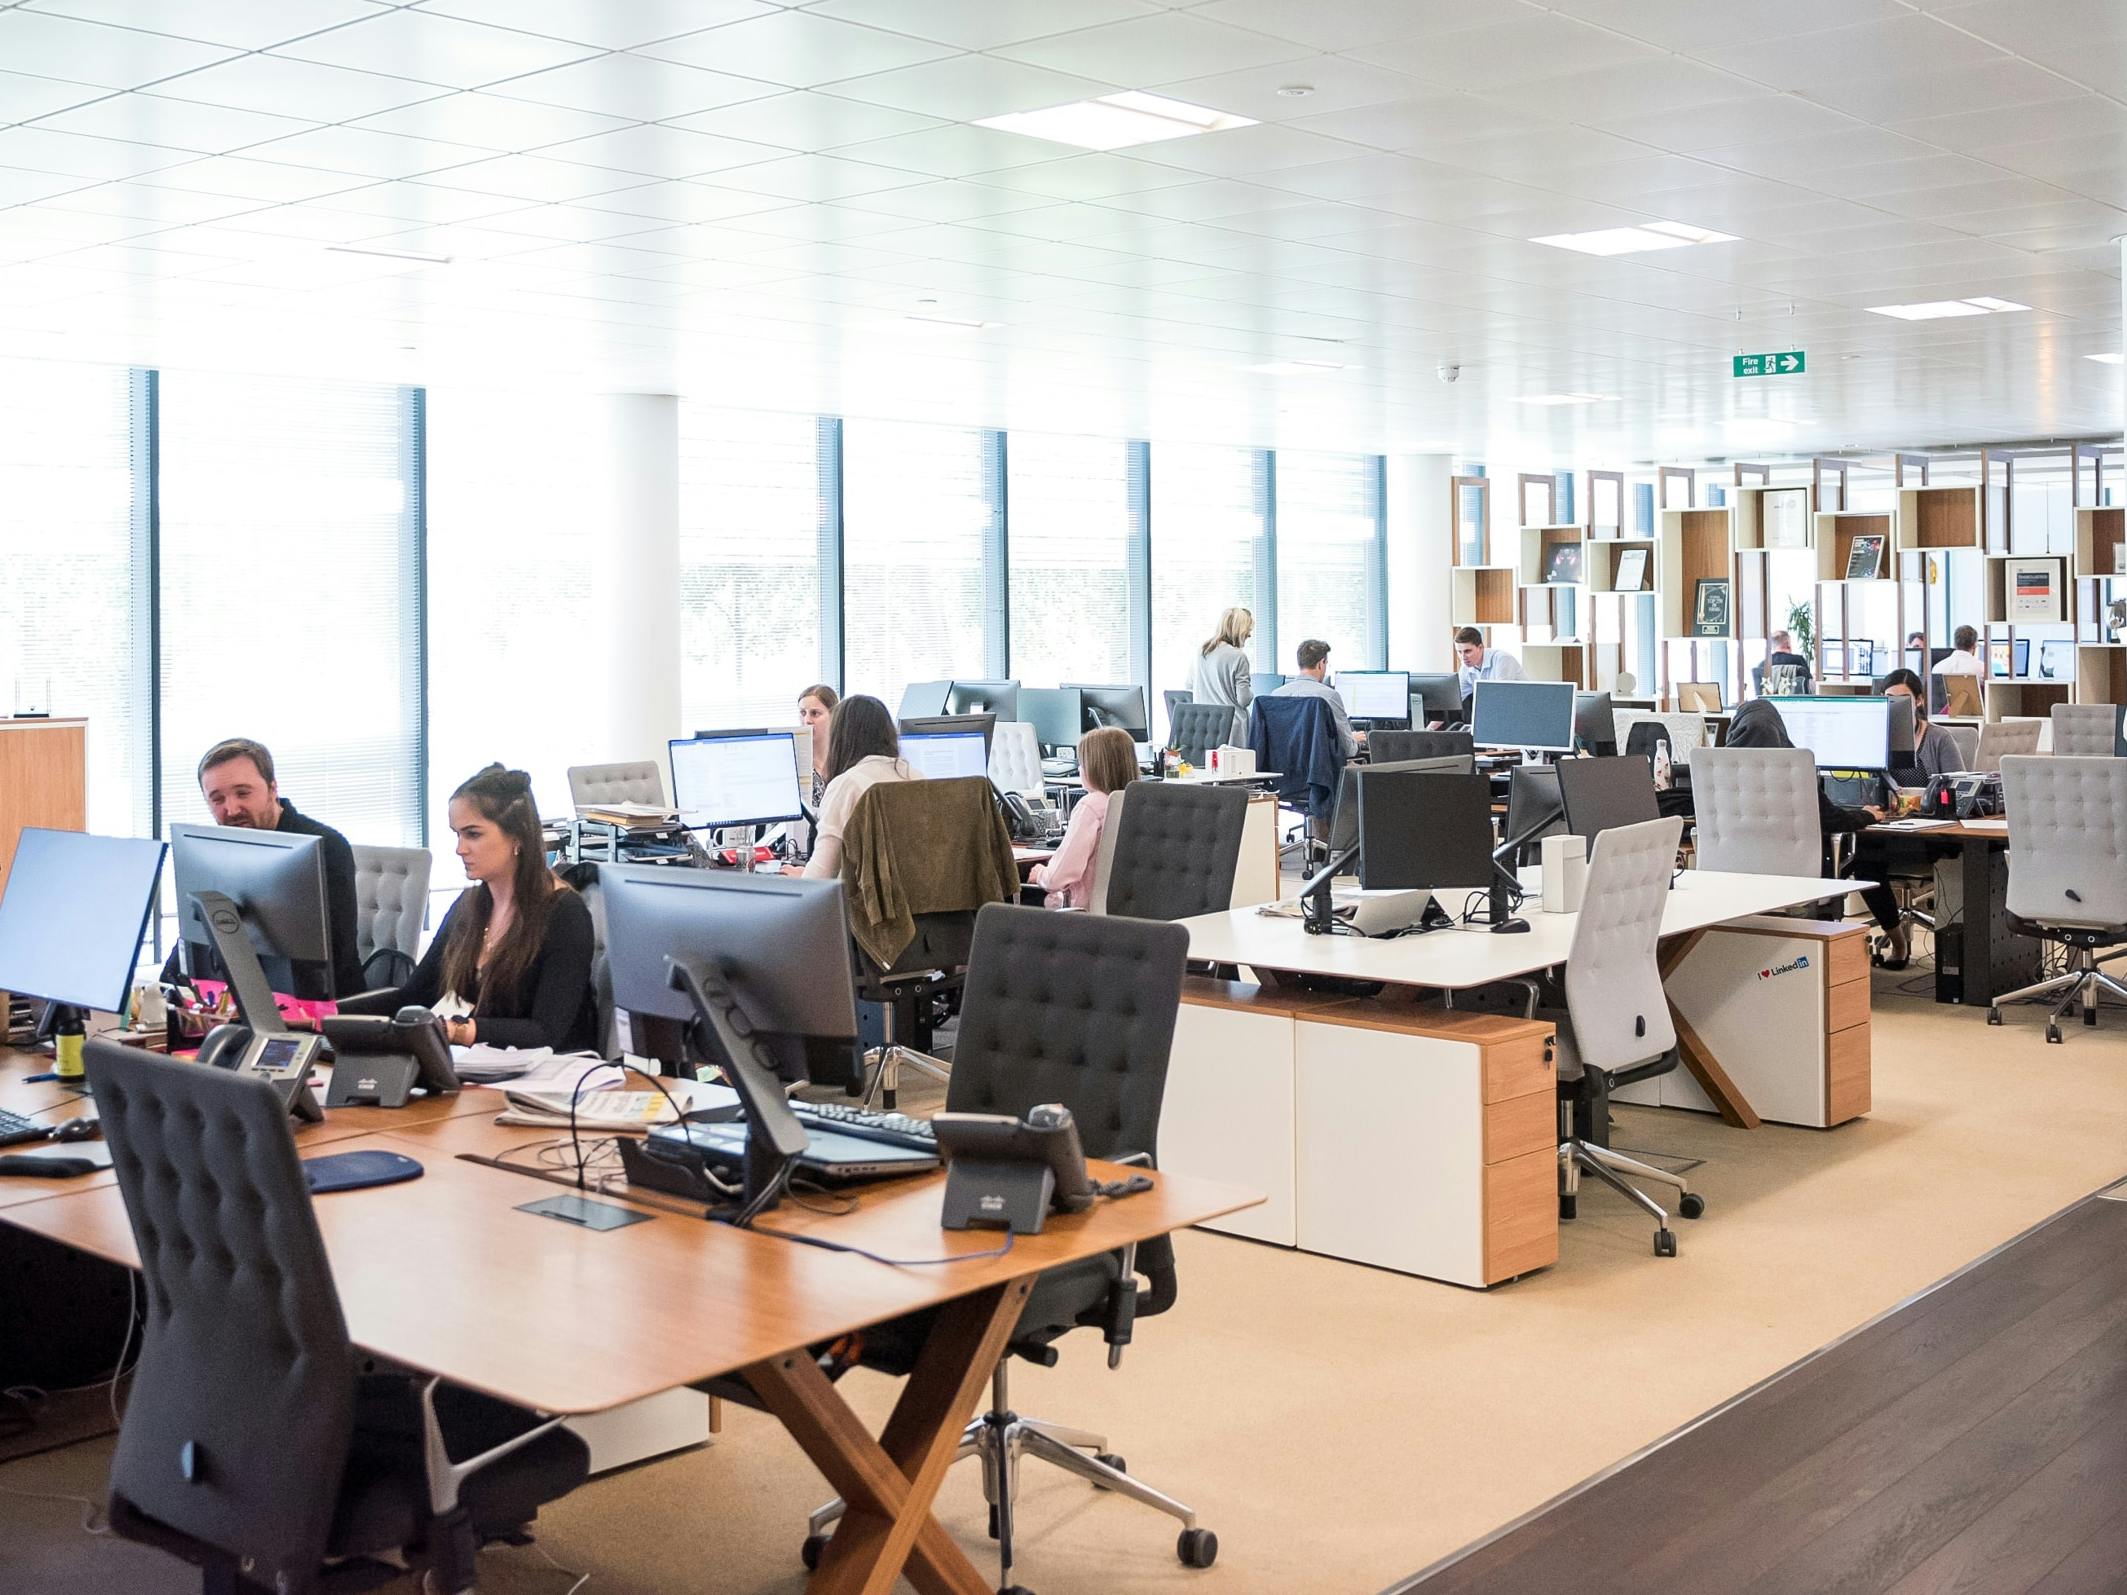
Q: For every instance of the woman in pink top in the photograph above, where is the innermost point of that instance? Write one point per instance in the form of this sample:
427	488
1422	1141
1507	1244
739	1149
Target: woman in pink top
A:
1107	762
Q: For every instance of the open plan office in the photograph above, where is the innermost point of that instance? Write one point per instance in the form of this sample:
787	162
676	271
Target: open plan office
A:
1233	796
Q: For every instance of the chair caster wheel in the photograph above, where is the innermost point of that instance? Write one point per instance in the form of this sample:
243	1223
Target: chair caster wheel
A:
1665	1243
1197	1547
1108	1459
1993	1016
1568	1207
2053	1034
1693	1205
809	1552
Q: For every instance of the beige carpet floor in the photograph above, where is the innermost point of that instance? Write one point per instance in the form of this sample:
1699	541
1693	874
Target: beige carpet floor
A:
1341	1427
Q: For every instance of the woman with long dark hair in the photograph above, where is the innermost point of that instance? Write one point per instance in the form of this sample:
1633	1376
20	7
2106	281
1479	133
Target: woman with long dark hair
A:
512	958
863	749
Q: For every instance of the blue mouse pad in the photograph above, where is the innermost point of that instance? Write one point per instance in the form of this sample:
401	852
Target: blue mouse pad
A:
351	1171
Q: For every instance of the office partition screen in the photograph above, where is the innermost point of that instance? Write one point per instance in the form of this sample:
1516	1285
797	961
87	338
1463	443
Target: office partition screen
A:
1069	554
1331	558
1210	550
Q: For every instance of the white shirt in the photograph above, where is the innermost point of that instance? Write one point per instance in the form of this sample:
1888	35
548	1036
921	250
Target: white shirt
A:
839	801
1497	666
1958	663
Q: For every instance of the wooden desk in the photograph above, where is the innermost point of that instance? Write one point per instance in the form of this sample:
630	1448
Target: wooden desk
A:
533	1308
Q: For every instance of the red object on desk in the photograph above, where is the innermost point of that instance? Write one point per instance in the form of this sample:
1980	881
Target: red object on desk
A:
290	1007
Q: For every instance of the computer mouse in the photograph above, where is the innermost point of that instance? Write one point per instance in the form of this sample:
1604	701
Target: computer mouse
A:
76	1130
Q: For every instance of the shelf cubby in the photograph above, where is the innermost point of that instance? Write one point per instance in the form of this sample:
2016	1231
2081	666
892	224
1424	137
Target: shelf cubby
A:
1601	559
1555	661
1536	545
1998	595
2100	537
2101	672
2025	700
1771	518
1694	547
1482	595
1836	531
1945	517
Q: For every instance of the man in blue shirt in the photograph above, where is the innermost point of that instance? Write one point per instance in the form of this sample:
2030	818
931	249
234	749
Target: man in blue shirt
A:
1313	658
1480	663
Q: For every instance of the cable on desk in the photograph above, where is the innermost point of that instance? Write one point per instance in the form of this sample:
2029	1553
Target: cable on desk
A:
891	1262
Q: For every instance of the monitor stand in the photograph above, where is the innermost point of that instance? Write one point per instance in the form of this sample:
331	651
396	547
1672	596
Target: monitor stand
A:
256	1010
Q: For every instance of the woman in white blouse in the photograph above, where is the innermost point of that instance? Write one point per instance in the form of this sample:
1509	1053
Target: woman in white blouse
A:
863	749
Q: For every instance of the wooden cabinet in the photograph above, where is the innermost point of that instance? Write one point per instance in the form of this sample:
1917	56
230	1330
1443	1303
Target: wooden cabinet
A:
43	780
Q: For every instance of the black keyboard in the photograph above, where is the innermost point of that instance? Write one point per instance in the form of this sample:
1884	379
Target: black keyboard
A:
869	1124
15	1129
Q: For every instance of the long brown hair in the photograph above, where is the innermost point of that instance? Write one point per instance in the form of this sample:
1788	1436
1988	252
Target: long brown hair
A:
504	799
1107	759
860	727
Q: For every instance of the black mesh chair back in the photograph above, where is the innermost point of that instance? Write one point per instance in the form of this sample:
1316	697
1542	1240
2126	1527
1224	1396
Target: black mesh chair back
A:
1176	849
237	1430
1393	747
1197	728
1534	809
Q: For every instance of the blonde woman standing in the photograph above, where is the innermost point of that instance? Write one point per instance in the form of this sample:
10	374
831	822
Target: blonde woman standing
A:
1222	673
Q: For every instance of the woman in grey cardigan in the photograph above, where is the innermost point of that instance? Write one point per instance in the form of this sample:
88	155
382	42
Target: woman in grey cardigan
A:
1222	672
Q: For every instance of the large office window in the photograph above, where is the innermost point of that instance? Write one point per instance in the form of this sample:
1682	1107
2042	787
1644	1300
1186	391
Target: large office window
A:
919	510
1332	553
290	563
753	510
1069	501
1210	551
75	633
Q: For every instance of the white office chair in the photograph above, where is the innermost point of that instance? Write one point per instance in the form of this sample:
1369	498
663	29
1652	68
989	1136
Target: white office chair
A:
639	782
1015	759
391	900
2083	730
1104	854
2067	873
1999	739
1686	732
1615	1028
1757	811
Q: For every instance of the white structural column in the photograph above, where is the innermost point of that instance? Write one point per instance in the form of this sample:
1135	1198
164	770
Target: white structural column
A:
633	564
1420	542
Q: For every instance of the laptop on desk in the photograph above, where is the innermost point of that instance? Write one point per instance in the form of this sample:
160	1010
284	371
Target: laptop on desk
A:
829	1157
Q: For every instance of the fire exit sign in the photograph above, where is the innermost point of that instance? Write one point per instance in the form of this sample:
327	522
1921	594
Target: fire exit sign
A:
1768	365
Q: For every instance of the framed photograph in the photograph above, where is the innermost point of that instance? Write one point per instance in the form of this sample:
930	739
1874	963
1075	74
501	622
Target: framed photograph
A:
1710	607
1631	570
1787	518
1864	558
1562	563
2033	587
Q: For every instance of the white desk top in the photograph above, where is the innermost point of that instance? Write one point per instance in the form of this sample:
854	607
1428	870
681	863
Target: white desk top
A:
1473	956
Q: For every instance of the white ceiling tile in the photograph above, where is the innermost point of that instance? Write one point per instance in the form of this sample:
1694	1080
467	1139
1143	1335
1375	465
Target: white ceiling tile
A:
947	201
491	122
1975	88
1802	159
815	177
1755	119
1200	199
529	177
797	49
1692	26
295	88
460	241
1482	58
658	151
1145	50
177	124
815	223
1240	151
313	223
1899	46
173	206
966	88
24	98
45	45
77	155
952	151
354	149
635	86
807	122
433	49
608	24
1418	125
421	202
1090	176
682	202
1348	24
1608	94
571	224
239	24
1331	82
24	188
981	24
262	180
1991	132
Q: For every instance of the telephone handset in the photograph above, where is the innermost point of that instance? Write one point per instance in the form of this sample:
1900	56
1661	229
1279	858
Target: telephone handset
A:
1002	1171
283	1059
381	1061
1029	820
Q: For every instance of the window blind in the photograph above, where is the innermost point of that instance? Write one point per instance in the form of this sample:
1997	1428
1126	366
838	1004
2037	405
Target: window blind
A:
1332	551
1210	551
1069	499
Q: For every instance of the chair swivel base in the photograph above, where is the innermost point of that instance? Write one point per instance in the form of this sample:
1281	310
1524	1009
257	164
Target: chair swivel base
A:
886	1063
1614	1169
2078	988
1000	1437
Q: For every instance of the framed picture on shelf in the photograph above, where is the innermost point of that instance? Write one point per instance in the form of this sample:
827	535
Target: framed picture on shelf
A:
1710	607
1787	518
1632	570
1562	564
2034	588
1864	558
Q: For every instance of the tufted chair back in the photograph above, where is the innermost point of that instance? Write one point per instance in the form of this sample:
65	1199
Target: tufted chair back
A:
1999	739
2067	840
1176	847
1757	810
1194	729
1015	759
593	784
2083	730
1394	747
1613	981
236	1433
391	898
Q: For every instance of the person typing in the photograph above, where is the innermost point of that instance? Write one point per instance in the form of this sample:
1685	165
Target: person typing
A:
1312	657
1107	762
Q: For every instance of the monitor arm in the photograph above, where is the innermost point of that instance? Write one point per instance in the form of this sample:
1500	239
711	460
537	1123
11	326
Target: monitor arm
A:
1318	917
247	978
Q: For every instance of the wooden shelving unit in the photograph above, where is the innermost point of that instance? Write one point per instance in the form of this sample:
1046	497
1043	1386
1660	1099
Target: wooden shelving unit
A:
2101	672
1537	542
1600	558
1835	534
2099	534
1556	661
1694	547
1945	517
1772	518
2026	699
1998	596
1483	595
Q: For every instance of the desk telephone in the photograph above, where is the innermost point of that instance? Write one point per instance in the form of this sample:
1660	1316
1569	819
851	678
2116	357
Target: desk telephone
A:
1009	1173
1962	797
282	1058
1029	819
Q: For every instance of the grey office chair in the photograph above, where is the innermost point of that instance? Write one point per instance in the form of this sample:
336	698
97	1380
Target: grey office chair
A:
2083	730
1393	747
1965	739
1015	759
1999	739
1196	728
391	901
2067	872
1063	1008
1615	1028
1176	849
1757	811
592	784
253	1447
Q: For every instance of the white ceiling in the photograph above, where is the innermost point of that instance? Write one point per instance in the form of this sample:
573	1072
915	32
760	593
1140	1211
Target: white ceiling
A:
745	201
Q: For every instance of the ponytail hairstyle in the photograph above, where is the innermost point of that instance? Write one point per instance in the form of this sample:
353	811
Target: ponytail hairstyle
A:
504	799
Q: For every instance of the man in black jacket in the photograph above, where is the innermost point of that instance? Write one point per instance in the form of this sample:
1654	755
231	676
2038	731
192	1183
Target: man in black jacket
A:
236	778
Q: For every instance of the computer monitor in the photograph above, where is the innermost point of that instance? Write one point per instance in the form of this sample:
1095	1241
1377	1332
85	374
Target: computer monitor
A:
1599	795
780	943
1057	714
1595	722
1534	809
1375	694
1000	698
1262	683
1344	818
276	880
737	778
1122	706
1840	733
72	917
2119	731
941	755
1536	715
930	725
1998	658
2056	660
1436	698
2021	656
1902	729
1424	830
924	698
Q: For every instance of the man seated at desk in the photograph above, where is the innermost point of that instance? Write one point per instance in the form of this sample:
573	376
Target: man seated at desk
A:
1313	658
237	780
1783	653
1480	663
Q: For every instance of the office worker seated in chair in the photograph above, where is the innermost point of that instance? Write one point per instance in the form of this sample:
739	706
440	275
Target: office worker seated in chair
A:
511	961
816	708
1782	652
1312	656
1480	663
1963	657
1107	762
863	749
236	777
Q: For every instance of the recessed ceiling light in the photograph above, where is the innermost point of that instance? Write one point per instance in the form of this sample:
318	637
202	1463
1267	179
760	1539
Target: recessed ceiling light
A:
954	322
1297	91
1116	121
1297	368
389	254
2106	359
1635	240
1567	398
1936	309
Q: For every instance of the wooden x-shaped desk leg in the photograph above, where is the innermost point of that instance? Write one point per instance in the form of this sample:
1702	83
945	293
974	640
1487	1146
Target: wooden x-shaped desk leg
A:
888	1484
1692	1049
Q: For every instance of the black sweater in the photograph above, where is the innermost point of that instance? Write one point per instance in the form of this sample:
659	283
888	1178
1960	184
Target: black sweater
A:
555	1007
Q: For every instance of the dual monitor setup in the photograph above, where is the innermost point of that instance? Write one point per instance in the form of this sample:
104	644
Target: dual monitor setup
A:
1059	715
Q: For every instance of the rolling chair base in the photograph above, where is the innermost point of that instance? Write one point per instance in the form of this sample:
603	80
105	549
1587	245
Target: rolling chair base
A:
1000	1437
1613	1169
2079	987
885	1064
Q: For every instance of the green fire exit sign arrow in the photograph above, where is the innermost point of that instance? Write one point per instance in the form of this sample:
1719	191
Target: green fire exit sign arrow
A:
1768	365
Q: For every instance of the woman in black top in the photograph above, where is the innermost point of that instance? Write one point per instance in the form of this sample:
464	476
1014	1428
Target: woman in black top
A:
517	946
